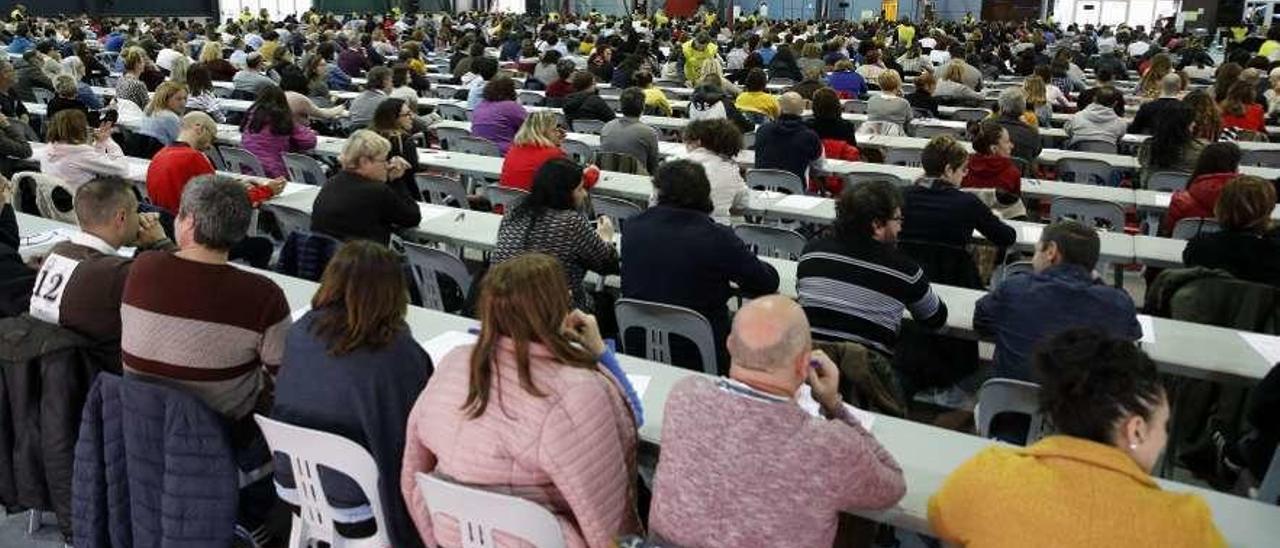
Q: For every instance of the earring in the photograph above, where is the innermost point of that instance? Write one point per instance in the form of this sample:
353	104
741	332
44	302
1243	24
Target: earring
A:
1133	446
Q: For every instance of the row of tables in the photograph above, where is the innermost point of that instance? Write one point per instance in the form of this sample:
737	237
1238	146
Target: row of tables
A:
927	454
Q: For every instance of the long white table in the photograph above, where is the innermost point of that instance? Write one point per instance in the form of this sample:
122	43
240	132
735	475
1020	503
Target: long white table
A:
927	454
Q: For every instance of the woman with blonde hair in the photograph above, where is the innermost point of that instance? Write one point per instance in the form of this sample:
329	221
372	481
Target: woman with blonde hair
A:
811	58
539	396
538	140
356	203
211	57
178	70
889	105
1037	102
130	86
713	74
164	113
952	86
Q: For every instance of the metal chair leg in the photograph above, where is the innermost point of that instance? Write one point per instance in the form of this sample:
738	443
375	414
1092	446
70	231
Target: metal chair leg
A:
33	522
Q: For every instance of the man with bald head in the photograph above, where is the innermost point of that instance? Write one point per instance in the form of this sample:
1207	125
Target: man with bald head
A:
1144	122
787	143
175	165
744	464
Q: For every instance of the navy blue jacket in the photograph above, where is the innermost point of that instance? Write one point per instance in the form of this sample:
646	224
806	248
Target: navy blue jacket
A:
182	484
787	144
681	257
938	212
1027	309
364	396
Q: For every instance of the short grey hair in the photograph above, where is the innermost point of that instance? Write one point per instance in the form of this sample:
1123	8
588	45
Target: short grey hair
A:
1171	84
1013	101
219	209
65	86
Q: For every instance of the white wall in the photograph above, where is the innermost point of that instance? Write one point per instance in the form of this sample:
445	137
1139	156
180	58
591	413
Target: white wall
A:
1114	12
277	8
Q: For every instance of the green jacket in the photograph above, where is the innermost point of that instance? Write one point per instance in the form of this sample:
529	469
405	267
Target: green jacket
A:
1214	297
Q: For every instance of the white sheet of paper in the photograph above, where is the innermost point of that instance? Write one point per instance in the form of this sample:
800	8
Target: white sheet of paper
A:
800	202
46	238
1148	329
299	313
1163	199
1030	233
430	211
293	188
804	398
768	194
1266	345
440	345
639	383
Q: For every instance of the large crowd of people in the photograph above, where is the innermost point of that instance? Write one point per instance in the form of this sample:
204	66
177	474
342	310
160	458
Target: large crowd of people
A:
766	453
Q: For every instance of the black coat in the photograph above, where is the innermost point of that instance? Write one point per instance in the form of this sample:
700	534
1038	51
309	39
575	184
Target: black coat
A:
586	105
1250	257
47	372
16	278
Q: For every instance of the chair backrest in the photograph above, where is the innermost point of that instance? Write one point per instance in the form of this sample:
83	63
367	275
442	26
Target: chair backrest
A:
612	101
1003	272
506	197
616	209
1094	145
43	96
903	156
1085	171
585	125
304	169
749	140
1190	227
289	219
1269	490
241	161
1264	158
620	162
778	180
307	450
469	144
970	114
1092	213
452	111
426	263
577	151
1009	396
480	513
922	113
530	98
441	190
856	106
771	241
862	177
450	136
659	321
1168	181
929	131
781	82
53	198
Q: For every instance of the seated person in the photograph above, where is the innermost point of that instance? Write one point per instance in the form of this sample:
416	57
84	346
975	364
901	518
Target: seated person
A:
585	102
269	131
538	140
71	159
888	105
561	87
1026	310
628	135
655	101
498	116
548	221
853	282
1172	145
16	278
67	97
705	482
1218	164
937	211
1248	243
352	368
922	97
357	202
676	254
551	418
756	103
1106	400
714	144
1098	121
991	164
87	301
787	143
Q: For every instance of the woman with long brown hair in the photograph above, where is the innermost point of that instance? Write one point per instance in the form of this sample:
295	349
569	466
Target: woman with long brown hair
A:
527	410
351	368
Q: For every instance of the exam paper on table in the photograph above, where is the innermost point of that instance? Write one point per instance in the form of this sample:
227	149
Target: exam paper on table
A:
430	211
804	398
439	346
1266	345
639	383
1030	233
1148	329
800	202
1163	199
299	313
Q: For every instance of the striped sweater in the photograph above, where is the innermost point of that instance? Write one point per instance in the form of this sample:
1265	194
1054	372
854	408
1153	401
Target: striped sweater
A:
207	328
857	289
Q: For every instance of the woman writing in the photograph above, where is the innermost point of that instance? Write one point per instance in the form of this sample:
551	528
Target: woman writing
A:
356	202
538	140
269	131
991	165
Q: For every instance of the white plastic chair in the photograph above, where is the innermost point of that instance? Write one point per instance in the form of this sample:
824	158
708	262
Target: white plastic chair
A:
426	262
451	111
577	151
449	137
616	209
775	180
480	513
530	99
289	219
903	156
45	187
1009	396
585	125
308	449
1094	145
506	197
771	241
469	144
1085	171
1091	213
929	131
855	106
1186	229
441	190
659	321
241	161
970	114
1168	181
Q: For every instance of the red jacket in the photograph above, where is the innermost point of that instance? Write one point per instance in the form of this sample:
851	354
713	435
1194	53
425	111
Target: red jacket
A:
835	149
173	166
1252	120
1198	200
522	163
993	171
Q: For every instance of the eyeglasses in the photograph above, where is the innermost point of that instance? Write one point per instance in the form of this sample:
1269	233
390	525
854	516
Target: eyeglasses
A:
405	114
